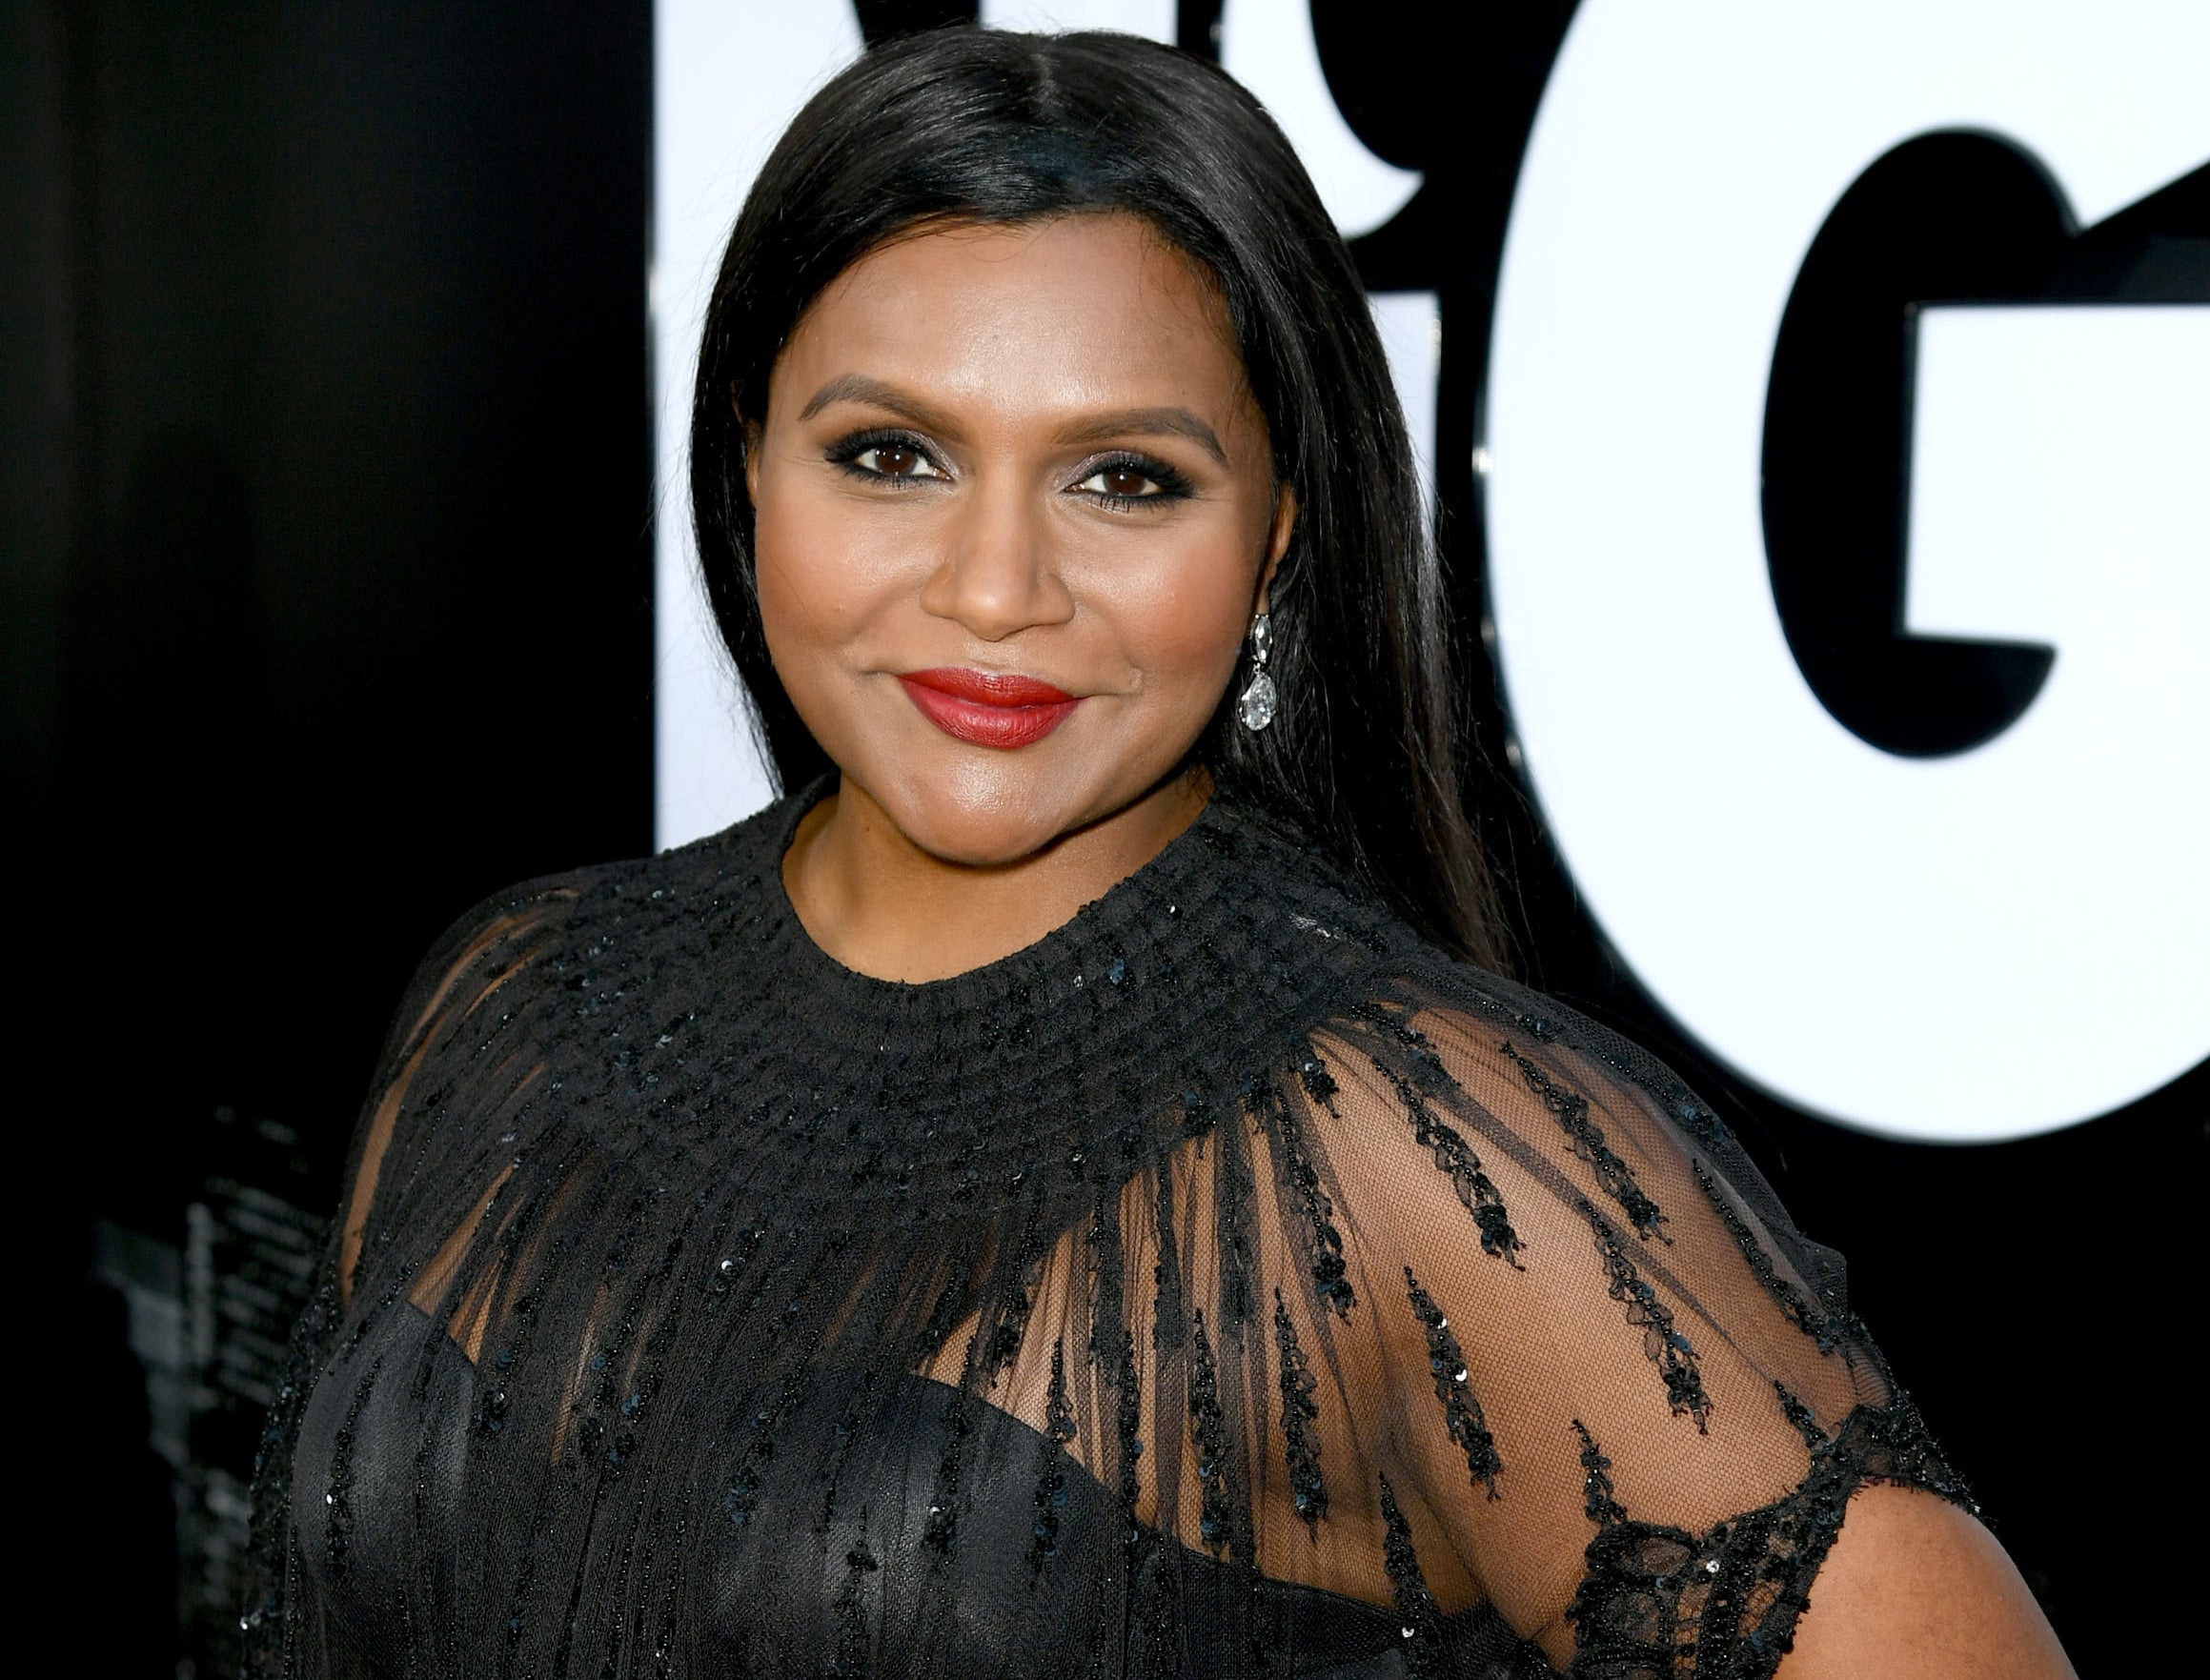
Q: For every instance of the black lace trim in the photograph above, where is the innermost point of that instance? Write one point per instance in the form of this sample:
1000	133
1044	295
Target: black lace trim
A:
854	1644
337	1537
1112	1349
1812	1319
1455	1156
1208	1434
1300	1450
1420	1621
1462	1415
1051	1493
1667	1348
1570	1109
1597	1496
1659	1603
1301	1179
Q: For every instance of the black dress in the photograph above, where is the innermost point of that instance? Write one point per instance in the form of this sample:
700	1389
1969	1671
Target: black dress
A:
1228	1283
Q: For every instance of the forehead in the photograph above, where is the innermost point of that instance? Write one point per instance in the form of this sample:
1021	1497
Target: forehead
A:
1077	311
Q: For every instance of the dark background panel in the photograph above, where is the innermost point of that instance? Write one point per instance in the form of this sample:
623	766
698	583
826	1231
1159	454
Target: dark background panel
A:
324	508
327	568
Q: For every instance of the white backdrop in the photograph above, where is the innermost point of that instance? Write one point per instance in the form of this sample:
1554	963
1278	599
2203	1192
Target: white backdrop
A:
1971	948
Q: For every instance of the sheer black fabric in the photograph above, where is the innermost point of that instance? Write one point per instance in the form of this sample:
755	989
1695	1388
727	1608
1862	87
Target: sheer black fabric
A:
1228	1283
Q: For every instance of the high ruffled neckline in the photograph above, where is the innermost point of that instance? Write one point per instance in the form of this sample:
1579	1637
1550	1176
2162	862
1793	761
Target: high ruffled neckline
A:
1153	999
1147	904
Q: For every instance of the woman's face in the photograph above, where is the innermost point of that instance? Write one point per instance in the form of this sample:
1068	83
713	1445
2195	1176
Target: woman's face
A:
1015	510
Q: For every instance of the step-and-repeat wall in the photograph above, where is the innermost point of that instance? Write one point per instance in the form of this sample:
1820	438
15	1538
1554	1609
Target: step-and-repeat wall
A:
1811	399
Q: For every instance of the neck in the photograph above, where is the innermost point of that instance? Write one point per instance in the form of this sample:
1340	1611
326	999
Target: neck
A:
884	906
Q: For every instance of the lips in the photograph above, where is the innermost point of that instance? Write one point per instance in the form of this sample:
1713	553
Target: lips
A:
988	709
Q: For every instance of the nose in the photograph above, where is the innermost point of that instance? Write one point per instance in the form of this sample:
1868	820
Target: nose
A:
999	574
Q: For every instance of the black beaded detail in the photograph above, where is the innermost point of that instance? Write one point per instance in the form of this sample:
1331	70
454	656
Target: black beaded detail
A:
740	1498
1232	1233
1598	1497
1666	1347
1300	1411
1570	1109
1698	1121
1301	1179
1419	1620
337	1497
1169	1319
1455	1156
1161	1643
1197	1116
1005	1344
1812	1320
1723	1605
848	1425
1208	1434
266	1620
1422	1064
1112	1349
1051	1471
942	1522
1462	1414
749	1203
854	1644
1799	1416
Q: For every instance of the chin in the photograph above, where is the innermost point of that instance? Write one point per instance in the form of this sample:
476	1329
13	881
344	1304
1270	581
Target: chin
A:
981	814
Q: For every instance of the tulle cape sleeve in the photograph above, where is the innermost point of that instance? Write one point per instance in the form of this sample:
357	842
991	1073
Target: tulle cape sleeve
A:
1471	1309
1627	1399
464	970
1232	1284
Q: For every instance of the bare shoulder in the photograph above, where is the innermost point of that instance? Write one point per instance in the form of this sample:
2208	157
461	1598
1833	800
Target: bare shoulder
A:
1916	1587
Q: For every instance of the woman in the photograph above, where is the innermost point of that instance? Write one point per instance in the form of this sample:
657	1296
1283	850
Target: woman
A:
1055	1194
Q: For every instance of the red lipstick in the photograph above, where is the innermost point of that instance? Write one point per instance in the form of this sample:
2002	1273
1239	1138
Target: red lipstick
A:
988	708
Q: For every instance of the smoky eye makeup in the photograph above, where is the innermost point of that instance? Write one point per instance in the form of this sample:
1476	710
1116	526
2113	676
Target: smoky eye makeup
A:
1120	481
885	454
1127	480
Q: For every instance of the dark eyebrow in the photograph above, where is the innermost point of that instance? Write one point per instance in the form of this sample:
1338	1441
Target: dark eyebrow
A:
860	388
1159	422
1156	422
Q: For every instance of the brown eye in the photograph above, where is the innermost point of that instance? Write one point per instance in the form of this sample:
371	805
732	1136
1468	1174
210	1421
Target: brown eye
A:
1122	482
896	460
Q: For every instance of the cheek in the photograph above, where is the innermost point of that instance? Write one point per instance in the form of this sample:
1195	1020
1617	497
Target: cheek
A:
1186	619
799	595
812	611
818	582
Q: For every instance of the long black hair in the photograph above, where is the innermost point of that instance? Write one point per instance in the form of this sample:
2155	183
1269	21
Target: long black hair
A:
977	125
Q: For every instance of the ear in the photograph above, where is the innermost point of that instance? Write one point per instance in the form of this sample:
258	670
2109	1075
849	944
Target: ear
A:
1278	539
753	433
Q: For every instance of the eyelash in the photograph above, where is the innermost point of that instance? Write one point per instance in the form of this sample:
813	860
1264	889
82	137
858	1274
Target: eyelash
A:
1173	485
845	453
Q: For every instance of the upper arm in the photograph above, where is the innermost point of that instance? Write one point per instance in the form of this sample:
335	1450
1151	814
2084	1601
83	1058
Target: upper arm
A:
477	959
1914	1586
1626	1408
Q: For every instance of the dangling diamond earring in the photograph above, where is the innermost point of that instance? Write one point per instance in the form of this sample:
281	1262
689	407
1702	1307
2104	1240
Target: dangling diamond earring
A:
1256	706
